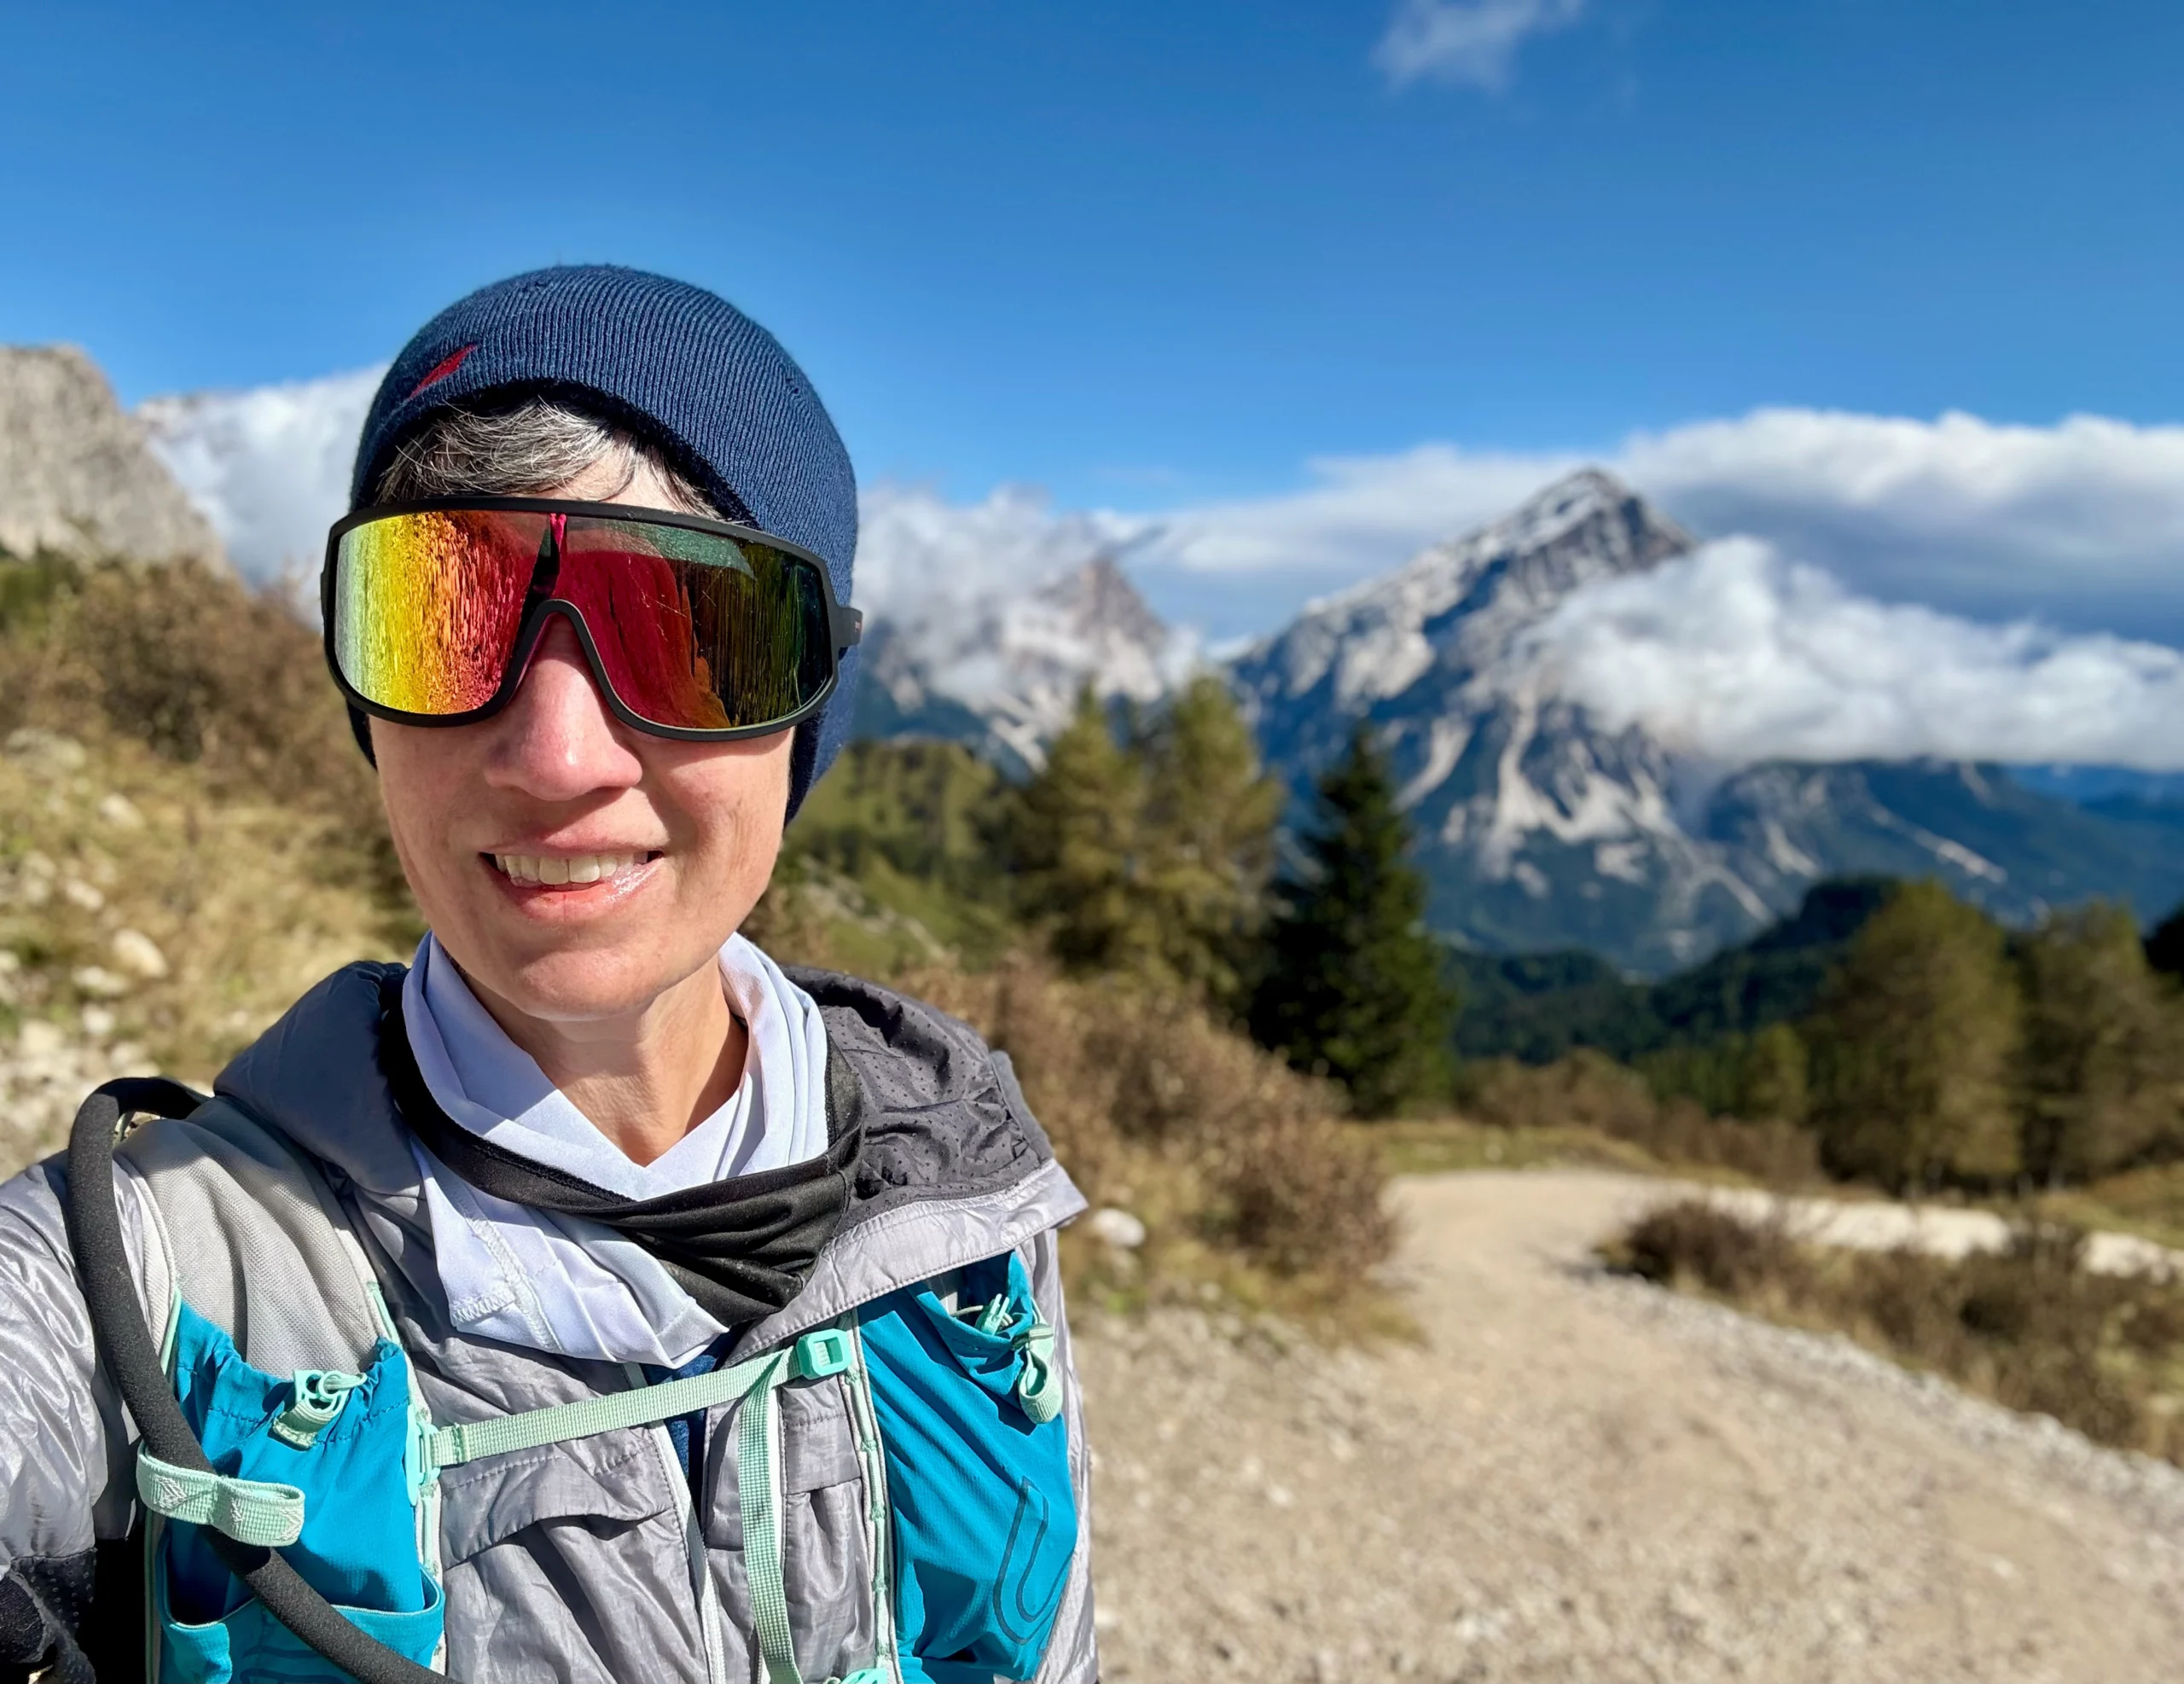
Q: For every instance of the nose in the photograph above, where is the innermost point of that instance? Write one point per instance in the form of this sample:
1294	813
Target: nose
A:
557	740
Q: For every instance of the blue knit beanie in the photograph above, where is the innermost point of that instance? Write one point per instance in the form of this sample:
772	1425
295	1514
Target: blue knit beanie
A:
673	365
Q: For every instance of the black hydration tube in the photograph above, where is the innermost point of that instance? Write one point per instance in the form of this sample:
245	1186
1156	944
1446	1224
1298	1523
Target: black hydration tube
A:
132	1356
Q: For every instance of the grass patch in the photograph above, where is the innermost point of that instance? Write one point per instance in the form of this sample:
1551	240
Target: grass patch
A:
1589	1092
1426	1145
2029	1327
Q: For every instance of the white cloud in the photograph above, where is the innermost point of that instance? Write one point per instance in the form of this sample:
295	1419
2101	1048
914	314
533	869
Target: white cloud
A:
919	556
270	467
1471	42
1736	654
1384	506
1993	520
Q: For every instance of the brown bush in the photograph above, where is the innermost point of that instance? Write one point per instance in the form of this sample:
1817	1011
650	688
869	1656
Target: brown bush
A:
1589	1090
2027	1326
203	672
1693	1243
1153	1105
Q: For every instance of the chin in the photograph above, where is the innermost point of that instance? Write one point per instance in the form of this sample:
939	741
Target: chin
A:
589	983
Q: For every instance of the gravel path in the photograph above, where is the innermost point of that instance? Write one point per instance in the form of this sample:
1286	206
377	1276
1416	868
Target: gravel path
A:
1578	1477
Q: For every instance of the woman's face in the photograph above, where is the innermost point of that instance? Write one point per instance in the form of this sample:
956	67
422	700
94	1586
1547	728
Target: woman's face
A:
575	869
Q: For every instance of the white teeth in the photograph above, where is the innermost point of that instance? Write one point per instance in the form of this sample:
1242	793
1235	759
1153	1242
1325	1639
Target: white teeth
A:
583	868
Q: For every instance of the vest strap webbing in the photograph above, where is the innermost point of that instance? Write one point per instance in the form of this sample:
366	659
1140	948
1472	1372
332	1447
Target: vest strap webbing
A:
823	1351
261	1511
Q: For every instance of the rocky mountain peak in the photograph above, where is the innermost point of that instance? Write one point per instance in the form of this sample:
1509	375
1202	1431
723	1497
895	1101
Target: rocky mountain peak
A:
1098	602
1460	604
77	477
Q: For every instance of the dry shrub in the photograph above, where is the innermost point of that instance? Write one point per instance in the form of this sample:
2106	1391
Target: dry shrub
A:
1590	1091
2029	1327
1153	1105
203	671
234	894
1694	1243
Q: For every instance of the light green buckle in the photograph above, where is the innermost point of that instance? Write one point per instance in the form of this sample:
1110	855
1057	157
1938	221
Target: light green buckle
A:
821	1352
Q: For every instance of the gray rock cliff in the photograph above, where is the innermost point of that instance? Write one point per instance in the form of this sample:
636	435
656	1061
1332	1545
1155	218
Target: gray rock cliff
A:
77	477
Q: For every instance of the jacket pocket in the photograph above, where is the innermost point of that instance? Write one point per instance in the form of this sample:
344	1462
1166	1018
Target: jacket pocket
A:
250	1646
608	1484
569	1562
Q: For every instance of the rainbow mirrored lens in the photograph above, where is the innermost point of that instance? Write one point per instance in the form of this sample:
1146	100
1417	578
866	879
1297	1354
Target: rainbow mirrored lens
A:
426	607
693	630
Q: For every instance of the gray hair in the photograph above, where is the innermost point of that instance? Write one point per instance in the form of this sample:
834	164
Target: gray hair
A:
529	449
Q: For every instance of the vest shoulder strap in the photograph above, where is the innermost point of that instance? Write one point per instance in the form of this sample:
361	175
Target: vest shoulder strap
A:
255	1241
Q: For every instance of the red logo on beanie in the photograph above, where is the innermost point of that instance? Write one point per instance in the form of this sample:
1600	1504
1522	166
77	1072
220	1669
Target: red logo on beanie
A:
441	369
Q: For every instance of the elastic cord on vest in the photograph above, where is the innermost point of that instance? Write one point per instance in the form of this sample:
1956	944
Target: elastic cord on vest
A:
132	1356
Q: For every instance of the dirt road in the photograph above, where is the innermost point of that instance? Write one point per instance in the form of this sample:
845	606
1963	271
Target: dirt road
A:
1578	1477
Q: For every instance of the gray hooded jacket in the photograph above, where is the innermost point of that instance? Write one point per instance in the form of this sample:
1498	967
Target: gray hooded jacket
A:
593	1559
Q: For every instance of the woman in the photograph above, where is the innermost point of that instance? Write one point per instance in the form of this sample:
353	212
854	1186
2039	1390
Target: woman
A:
596	1299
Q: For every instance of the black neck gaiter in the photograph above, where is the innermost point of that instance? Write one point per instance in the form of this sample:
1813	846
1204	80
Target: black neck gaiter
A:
741	1247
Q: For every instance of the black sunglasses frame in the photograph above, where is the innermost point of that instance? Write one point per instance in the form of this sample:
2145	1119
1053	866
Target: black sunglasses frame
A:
845	624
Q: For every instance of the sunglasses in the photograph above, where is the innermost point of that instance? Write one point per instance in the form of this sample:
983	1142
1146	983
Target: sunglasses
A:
694	627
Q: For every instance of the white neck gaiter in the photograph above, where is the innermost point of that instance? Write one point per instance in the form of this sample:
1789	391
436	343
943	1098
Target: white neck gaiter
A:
558	1283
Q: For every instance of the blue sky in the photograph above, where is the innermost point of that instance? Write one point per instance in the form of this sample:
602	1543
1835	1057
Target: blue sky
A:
1141	253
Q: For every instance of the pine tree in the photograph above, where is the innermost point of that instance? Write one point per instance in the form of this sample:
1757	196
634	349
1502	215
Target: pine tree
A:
1206	844
1773	1075
1353	984
1914	1048
1147	856
2104	1047
1074	844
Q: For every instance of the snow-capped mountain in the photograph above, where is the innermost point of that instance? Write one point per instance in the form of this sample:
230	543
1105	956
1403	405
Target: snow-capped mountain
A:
1004	674
1540	828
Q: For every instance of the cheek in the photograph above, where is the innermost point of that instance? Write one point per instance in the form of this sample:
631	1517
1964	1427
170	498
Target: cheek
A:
420	784
742	797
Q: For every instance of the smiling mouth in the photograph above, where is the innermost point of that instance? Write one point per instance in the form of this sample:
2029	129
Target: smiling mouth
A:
568	869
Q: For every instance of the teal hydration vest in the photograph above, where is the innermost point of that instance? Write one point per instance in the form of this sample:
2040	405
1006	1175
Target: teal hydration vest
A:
958	1427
